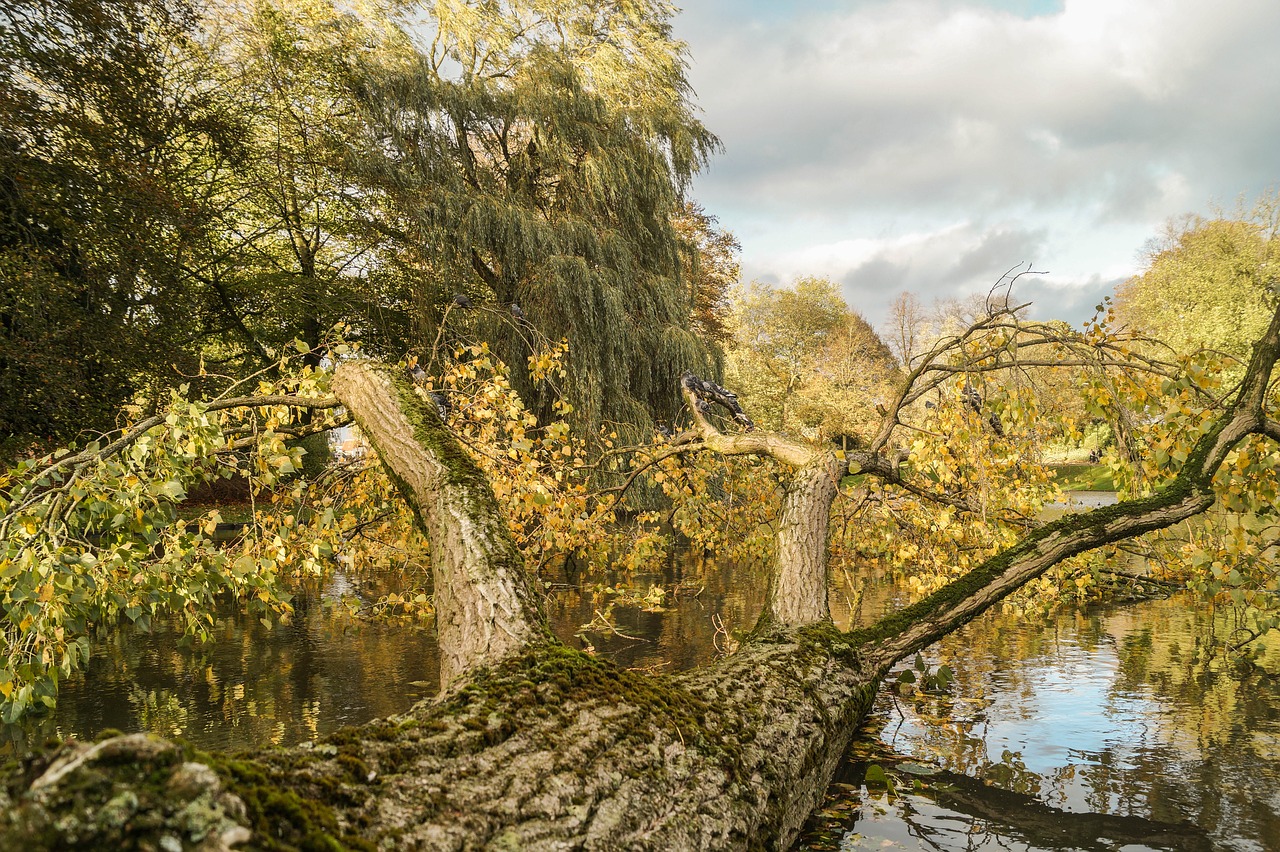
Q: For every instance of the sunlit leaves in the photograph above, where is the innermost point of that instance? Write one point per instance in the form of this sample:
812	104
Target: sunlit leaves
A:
94	536
1207	284
996	483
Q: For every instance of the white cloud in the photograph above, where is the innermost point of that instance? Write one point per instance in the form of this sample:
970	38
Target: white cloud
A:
899	128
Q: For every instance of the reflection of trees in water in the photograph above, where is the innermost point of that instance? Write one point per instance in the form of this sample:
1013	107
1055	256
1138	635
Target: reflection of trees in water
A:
924	807
251	686
678	635
1206	750
1191	740
255	685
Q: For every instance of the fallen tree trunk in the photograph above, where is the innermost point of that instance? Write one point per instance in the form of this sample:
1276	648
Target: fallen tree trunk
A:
533	745
552	749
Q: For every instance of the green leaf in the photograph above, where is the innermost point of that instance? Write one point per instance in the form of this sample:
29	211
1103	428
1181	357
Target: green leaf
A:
877	777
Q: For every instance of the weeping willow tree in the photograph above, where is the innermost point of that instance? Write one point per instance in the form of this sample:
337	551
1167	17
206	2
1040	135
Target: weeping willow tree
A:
536	154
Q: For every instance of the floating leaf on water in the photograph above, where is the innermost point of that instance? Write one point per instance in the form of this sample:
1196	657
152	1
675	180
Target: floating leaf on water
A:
876	775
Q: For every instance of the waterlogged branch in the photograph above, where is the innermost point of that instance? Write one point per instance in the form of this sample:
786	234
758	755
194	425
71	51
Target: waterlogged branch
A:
1190	494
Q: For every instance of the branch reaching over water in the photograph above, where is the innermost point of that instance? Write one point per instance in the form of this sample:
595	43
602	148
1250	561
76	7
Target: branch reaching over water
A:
1191	493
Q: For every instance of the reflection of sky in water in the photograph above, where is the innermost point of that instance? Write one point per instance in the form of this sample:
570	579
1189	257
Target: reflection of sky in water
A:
1067	712
1064	709
1092	713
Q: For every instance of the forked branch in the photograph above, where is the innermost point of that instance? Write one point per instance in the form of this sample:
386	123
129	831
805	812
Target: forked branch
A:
1189	494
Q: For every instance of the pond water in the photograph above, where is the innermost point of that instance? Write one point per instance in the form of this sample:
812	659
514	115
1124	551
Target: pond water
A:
1105	728
293	682
1110	728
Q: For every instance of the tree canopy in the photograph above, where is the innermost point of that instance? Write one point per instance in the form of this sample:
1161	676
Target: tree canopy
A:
756	735
536	154
804	361
220	225
103	124
1209	283
201	185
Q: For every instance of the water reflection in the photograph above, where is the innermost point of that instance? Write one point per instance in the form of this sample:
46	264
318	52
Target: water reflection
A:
289	683
1116	711
251	685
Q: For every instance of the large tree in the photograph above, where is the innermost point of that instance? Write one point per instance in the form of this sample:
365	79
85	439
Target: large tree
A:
292	254
533	745
1209	283
177	191
536	153
805	362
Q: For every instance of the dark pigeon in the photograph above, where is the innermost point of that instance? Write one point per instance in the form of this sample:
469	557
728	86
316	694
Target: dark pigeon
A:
973	400
705	393
442	405
461	301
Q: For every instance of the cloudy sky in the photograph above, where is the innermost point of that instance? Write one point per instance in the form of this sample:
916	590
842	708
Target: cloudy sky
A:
931	145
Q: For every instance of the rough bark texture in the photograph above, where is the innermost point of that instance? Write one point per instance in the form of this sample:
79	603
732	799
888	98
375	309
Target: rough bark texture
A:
551	749
798	594
533	746
798	586
485	609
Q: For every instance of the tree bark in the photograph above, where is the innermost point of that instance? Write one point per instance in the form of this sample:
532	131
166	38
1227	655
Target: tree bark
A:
798	593
485	608
537	746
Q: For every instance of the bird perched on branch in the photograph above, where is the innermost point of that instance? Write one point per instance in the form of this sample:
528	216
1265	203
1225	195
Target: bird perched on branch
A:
973	401
442	405
461	301
517	313
706	392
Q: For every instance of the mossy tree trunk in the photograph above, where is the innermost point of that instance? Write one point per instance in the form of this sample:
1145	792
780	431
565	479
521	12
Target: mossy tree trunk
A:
533	745
485	608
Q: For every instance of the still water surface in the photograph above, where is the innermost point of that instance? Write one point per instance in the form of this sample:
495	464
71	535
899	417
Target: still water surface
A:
1050	726
1104	711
